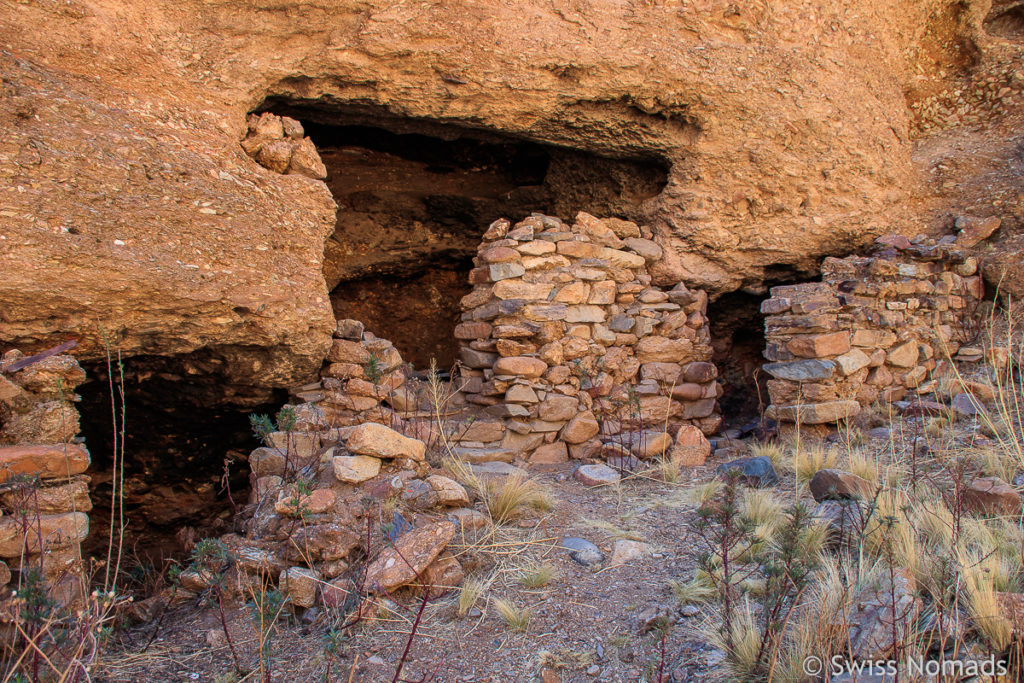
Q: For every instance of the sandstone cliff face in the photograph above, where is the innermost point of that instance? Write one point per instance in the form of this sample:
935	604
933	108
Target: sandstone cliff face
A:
129	209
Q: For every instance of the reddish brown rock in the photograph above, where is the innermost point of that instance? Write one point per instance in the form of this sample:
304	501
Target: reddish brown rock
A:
992	496
691	448
523	366
550	454
820	345
443	574
54	531
46	461
580	428
411	554
383	442
837	484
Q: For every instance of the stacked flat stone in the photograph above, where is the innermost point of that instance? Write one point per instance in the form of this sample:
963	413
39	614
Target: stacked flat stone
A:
563	322
44	492
313	492
362	379
875	328
278	143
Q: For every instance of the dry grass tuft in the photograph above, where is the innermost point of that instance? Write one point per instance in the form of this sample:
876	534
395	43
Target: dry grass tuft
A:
811	459
470	592
506	499
516	618
693	592
774	451
535	574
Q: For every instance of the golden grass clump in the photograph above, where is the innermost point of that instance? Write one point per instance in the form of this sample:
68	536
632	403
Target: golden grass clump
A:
693	592
516	618
537	574
774	451
470	592
809	460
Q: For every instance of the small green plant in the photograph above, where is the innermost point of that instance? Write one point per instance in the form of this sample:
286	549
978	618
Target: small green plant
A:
262	426
373	369
212	560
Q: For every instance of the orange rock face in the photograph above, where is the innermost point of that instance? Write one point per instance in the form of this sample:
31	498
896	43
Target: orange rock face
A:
129	210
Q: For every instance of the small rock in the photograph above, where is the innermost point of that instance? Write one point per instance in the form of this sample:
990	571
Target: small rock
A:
419	494
468	518
880	433
597	475
973	229
449	492
966	405
837	484
583	551
549	676
692	448
650	444
411	554
689	611
626	550
354	469
379	441
757	471
992	496
299	585
443	574
844	519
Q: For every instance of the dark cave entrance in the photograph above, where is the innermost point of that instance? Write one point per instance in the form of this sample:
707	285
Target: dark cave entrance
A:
738	342
1006	20
415	196
178	436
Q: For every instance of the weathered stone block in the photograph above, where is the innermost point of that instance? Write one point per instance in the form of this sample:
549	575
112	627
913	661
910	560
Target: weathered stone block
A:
820	345
522	366
815	413
802	370
45	461
354	469
379	441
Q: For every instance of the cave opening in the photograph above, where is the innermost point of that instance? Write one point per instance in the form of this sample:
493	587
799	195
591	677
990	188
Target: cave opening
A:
414	197
1006	20
185	451
738	343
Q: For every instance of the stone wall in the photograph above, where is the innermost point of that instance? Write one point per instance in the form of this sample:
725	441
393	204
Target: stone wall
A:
44	493
565	339
876	328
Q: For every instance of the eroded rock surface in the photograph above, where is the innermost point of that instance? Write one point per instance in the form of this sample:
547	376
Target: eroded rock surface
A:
130	212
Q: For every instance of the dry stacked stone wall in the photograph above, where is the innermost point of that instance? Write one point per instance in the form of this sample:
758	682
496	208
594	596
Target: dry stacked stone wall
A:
565	340
876	328
44	493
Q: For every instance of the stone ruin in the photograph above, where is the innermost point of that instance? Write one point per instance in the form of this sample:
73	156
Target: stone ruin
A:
876	328
567	342
567	352
44	493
